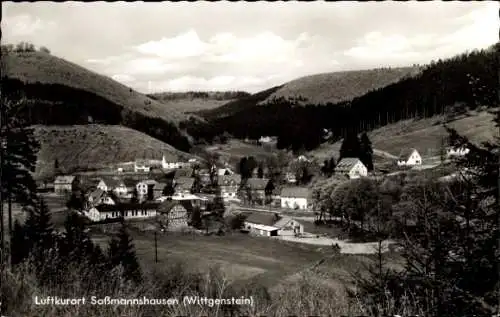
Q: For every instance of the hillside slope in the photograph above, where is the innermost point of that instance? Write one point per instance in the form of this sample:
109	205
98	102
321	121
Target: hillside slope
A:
96	146
426	135
192	101
339	86
42	68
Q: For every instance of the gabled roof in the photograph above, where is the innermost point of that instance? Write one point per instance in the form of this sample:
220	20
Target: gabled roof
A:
406	153
184	182
142	162
282	222
298	192
96	194
257	183
127	206
111	182
159	186
64	179
267	219
168	205
129	182
149	182
225	179
346	164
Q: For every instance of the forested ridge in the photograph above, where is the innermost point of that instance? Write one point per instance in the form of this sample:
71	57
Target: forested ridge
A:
464	82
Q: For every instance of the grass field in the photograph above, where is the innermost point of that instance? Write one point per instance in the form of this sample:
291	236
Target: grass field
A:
235	149
243	257
36	67
191	105
340	86
96	146
425	135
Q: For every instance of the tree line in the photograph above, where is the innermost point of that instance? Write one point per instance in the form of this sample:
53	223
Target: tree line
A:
444	87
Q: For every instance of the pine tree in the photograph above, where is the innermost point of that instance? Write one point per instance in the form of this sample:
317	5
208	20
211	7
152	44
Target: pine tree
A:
260	171
76	245
366	152
122	252
350	146
18	150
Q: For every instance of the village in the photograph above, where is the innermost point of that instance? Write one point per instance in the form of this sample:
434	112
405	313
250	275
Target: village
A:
172	192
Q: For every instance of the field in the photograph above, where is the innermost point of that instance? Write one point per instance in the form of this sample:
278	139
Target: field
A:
340	86
240	256
36	67
96	146
236	149
191	105
425	135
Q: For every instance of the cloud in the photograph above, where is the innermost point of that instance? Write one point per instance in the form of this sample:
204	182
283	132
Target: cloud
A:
24	25
180	46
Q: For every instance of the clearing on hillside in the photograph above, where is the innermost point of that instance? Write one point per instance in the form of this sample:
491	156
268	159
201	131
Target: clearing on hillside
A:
96	146
426	135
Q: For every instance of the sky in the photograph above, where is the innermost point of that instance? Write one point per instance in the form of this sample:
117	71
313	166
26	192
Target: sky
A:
204	46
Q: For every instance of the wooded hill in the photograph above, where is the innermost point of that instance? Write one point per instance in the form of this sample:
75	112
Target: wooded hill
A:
465	82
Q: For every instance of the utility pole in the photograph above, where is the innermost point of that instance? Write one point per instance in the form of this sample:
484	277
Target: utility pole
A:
2	228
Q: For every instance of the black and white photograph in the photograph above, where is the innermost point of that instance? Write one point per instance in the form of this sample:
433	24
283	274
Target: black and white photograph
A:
258	159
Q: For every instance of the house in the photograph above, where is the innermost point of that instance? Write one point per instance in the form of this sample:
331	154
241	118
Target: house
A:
290	178
262	224
457	151
158	190
256	189
303	158
125	188
184	185
108	183
44	186
98	197
171	164
128	210
351	167
141	166
175	214
289	227
295	198
409	157
229	185
65	183
225	171
145	188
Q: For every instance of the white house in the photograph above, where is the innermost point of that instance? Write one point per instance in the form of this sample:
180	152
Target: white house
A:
141	166
229	185
225	171
66	183
262	224
129	211
172	164
409	157
125	188
351	167
289	227
295	198
457	151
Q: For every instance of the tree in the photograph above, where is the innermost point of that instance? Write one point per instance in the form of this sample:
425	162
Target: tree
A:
76	201
168	190
260	171
76	245
19	244
366	151
196	221
134	199
238	221
350	146
43	49
122	252
18	153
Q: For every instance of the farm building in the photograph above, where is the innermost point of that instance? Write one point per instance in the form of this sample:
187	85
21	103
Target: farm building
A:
262	224
145	188
289	227
184	185
174	164
99	197
65	184
108	183
456	151
295	198
129	211
141	166
351	167
229	185
257	189
175	213
409	157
